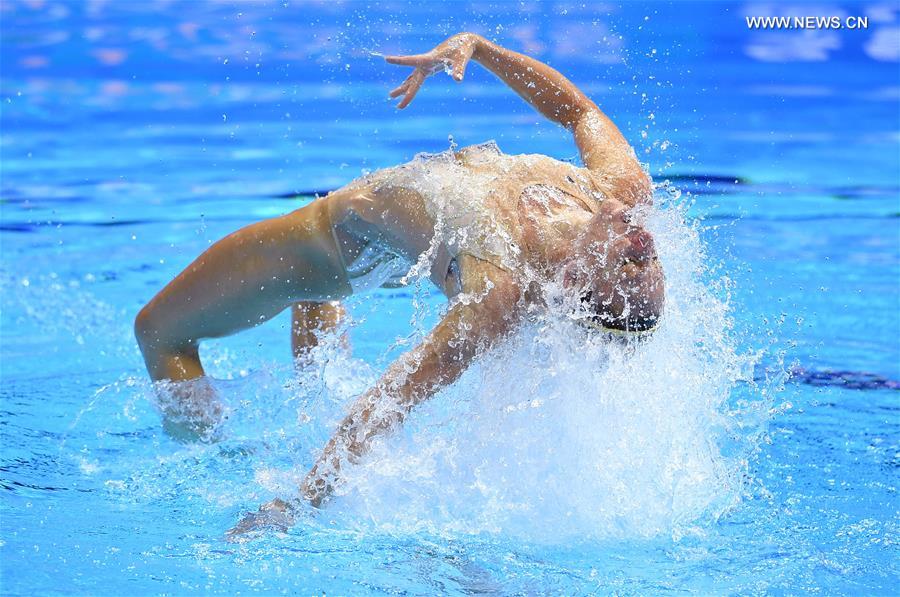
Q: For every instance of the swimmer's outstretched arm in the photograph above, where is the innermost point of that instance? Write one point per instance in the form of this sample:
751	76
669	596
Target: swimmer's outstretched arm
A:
466	331
603	148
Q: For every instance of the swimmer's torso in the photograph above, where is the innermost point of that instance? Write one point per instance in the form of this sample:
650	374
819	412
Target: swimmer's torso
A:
517	212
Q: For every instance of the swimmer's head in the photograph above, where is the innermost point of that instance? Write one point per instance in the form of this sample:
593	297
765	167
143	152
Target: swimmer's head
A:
616	272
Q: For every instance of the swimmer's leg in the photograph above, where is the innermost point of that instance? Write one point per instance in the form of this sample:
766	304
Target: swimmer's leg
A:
309	321
241	281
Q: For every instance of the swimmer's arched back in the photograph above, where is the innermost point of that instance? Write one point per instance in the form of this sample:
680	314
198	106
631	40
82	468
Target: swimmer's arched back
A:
362	235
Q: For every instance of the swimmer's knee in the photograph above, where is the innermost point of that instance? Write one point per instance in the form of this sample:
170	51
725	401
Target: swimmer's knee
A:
143	326
146	328
152	332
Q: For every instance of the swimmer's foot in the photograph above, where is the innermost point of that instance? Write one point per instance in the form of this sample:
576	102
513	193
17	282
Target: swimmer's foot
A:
192	431
191	410
277	515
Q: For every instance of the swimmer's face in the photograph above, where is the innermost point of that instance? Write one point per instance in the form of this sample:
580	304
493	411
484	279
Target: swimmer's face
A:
616	270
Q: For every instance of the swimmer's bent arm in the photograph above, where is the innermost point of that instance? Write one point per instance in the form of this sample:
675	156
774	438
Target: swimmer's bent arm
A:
602	147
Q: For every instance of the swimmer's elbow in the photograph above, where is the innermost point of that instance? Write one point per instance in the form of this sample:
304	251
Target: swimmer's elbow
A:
633	187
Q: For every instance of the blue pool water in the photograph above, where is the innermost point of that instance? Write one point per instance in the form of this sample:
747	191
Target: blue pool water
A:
751	447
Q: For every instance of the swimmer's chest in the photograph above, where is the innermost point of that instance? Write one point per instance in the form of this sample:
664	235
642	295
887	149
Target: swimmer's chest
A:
545	203
538	184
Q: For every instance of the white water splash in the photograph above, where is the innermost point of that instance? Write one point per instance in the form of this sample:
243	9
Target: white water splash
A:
558	435
555	436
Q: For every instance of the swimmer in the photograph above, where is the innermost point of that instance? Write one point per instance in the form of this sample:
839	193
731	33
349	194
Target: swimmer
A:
488	229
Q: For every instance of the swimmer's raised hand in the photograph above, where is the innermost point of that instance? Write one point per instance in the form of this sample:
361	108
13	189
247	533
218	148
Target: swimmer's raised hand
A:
451	56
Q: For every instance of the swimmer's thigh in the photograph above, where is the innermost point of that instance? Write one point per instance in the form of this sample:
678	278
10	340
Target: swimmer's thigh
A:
393	216
247	278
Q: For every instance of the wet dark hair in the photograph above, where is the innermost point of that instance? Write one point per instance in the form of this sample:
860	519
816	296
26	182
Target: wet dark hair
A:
636	321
